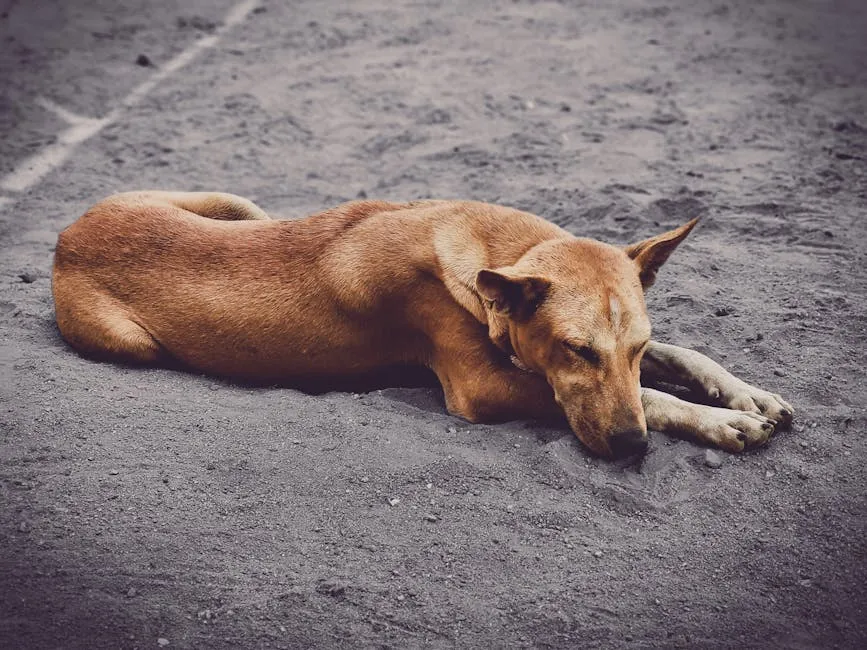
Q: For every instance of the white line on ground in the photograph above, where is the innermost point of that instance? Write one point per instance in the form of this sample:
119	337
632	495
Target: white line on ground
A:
65	115
30	170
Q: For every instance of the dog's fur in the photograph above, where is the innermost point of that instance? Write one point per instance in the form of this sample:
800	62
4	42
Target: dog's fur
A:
517	317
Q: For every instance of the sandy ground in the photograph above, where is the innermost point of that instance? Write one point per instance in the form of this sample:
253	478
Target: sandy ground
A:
140	507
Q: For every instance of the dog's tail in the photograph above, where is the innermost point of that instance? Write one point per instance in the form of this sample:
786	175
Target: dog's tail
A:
212	205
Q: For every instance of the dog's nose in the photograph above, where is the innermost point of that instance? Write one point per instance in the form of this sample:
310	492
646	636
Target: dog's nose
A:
629	442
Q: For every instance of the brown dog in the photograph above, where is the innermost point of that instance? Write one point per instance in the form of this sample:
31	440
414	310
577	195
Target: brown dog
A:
517	317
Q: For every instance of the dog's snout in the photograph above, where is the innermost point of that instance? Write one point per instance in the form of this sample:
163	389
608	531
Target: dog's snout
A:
629	442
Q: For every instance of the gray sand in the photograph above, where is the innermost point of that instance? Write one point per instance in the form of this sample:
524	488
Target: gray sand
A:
145	504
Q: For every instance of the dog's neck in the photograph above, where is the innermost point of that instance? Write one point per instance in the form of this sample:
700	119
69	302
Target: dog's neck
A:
479	240
498	331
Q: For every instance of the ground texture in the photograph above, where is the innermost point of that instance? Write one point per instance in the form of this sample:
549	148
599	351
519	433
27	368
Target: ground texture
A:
141	508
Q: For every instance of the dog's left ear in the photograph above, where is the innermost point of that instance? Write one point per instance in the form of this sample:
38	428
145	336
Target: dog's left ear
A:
511	293
651	253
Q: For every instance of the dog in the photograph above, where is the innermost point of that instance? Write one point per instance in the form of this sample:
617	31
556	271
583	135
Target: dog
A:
516	317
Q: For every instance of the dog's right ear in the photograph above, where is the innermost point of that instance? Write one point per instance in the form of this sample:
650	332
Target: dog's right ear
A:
511	294
652	253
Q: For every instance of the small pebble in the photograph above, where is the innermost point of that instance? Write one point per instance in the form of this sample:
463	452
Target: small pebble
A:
162	641
23	527
131	592
712	459
332	587
723	311
432	518
114	472
27	278
144	61
451	429
393	501
779	372
754	335
597	553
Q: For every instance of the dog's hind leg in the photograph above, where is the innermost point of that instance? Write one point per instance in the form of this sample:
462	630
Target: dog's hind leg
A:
213	205
97	326
684	367
721	427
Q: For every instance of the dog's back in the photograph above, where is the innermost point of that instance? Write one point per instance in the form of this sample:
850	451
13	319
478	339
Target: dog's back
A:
140	279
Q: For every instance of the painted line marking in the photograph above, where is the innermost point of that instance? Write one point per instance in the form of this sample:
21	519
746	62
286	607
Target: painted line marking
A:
67	116
30	170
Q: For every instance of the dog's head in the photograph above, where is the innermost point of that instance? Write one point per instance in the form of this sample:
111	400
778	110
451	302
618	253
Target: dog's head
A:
572	310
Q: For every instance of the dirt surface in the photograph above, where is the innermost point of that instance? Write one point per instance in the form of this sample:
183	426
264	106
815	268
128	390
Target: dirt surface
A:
141	508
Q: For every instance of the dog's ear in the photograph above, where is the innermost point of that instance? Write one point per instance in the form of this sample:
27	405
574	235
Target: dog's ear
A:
651	253
512	294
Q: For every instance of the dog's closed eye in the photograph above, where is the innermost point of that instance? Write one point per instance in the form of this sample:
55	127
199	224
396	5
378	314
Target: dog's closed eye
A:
583	351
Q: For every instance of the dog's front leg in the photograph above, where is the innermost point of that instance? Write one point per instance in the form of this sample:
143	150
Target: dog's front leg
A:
721	427
482	391
683	367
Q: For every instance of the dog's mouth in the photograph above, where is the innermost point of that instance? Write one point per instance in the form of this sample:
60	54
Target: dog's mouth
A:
595	443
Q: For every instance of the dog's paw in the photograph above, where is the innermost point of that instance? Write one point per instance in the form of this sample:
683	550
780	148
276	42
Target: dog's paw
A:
740	396
733	430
